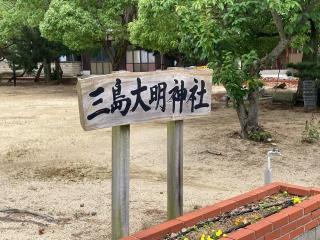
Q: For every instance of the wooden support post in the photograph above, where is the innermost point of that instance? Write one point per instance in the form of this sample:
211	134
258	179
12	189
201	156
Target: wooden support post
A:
175	169
120	181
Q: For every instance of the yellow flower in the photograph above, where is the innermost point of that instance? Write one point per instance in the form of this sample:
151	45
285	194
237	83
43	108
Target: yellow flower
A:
296	200
209	238
203	237
219	233
225	235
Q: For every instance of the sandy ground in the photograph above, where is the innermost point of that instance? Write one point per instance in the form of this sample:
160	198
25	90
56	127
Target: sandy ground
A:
49	165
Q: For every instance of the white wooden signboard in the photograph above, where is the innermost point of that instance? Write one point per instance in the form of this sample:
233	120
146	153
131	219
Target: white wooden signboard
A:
120	99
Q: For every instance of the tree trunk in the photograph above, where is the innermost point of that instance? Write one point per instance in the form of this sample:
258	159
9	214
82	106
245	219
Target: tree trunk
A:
243	119
161	61
14	74
282	45
179	59
248	115
58	70
311	56
47	69
14	77
314	42
119	62
253	111
107	46
37	77
299	93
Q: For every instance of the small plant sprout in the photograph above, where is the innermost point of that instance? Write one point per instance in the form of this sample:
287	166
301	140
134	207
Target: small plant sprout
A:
296	200
311	131
219	233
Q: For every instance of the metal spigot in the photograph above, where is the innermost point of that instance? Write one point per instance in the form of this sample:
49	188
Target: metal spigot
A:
268	170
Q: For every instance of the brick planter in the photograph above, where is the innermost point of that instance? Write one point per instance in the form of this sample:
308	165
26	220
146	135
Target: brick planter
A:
301	222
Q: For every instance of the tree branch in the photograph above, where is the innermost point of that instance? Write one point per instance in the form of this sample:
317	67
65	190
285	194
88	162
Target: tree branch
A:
279	24
18	211
312	5
275	53
284	39
281	46
265	34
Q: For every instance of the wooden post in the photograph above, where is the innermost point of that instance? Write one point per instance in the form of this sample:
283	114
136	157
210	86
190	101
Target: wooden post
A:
120	181
175	169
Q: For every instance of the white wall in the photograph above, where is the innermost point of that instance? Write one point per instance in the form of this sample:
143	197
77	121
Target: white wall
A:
70	69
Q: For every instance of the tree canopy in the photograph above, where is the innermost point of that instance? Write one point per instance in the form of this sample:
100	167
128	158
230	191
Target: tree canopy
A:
20	34
237	38
84	25
203	27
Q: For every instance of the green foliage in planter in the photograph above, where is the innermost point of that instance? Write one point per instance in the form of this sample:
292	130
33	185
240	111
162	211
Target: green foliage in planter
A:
311	131
259	136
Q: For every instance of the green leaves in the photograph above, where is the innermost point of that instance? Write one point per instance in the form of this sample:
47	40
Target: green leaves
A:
66	22
238	75
19	30
285	6
84	25
156	25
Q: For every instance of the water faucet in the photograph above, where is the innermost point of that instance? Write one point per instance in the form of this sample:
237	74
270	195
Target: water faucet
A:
268	170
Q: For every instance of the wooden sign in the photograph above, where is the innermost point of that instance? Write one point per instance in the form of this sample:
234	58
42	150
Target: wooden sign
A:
119	99
125	98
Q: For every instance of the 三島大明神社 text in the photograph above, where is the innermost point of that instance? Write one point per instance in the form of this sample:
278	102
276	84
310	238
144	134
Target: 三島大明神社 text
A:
159	94
115	100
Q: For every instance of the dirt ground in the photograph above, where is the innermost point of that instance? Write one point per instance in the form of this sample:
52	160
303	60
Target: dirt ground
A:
49	165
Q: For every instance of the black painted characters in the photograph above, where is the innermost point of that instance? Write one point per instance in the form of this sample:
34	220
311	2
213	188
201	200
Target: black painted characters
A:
159	97
120	102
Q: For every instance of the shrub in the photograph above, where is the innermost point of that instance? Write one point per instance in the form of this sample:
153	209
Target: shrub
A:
260	136
311	131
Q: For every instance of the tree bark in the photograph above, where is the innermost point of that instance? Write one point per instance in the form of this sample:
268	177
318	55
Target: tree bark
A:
120	56
58	70
47	69
37	77
243	119
314	42
107	46
253	111
275	53
129	14
248	115
311	56
14	74
117	59
299	93
281	46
